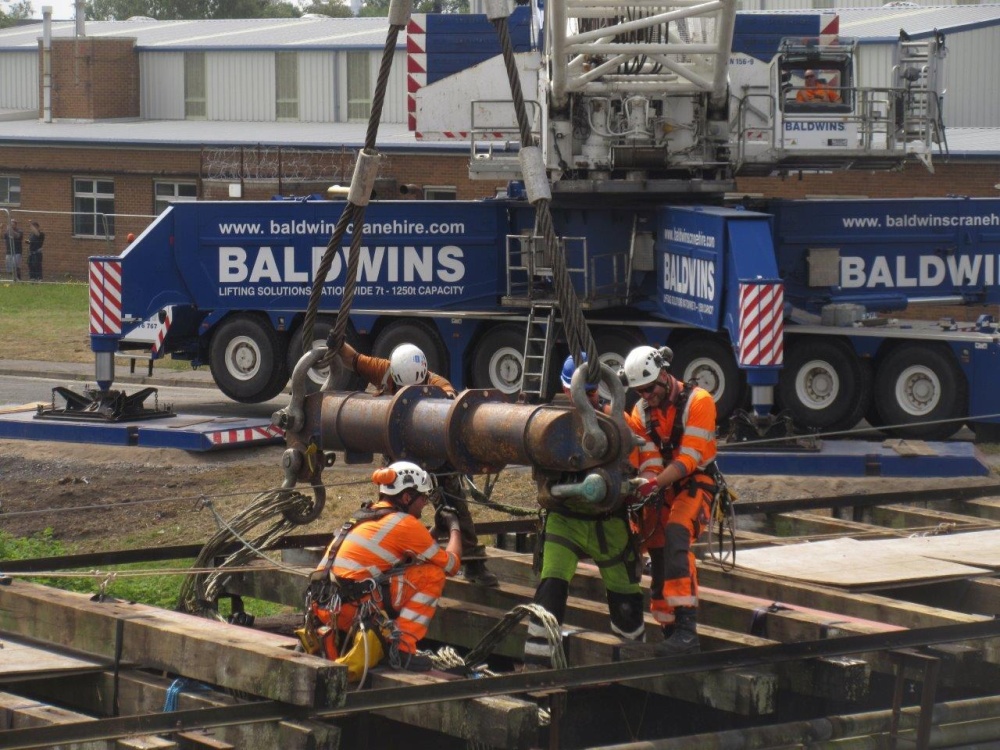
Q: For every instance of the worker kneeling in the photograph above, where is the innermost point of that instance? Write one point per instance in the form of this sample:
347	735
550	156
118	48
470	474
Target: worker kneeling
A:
383	574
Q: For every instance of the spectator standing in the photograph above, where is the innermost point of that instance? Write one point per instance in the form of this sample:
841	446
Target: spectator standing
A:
36	238
13	239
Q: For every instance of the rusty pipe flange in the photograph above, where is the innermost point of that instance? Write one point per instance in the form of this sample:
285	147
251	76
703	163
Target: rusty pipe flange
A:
458	454
399	420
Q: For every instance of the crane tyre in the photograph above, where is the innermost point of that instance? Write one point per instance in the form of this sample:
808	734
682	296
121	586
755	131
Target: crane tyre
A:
920	383
613	346
498	359
248	359
345	380
711	364
418	333
823	385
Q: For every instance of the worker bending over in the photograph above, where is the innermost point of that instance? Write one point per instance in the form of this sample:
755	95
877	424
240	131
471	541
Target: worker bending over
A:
675	423
407	365
569	535
387	556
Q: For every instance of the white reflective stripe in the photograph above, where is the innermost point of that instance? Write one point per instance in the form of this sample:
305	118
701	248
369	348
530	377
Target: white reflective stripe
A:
424	599
388	524
696	455
635	635
651	462
664	618
428	553
699	432
452	566
647	446
682	601
376	549
373	571
412	616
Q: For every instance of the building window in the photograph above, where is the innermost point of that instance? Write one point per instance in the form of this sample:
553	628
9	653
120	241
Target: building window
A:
194	85
440	192
359	88
93	207
10	190
286	85
173	192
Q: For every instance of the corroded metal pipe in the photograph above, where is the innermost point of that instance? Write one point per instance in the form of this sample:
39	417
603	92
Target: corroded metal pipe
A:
481	431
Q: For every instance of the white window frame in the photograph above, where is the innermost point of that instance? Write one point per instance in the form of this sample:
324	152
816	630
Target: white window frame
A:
103	220
195	86
359	85
162	202
10	190
440	193
286	85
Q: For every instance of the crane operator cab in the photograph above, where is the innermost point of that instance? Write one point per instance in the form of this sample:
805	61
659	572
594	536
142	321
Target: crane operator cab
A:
815	114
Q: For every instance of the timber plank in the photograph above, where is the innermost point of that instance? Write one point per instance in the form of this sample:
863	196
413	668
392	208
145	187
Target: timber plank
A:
978	548
238	658
22	660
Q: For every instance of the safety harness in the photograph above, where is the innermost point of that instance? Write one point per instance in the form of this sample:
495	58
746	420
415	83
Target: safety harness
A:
630	556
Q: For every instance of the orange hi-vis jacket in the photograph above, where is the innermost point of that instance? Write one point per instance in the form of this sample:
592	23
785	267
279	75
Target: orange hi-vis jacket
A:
696	448
818	93
386	546
376	371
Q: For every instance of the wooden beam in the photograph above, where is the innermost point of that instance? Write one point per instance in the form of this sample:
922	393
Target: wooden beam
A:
233	657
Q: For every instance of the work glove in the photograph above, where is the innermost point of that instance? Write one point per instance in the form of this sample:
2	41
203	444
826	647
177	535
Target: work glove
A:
446	518
644	491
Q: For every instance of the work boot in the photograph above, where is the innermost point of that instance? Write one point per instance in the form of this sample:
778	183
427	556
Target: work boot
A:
415	662
475	571
685	636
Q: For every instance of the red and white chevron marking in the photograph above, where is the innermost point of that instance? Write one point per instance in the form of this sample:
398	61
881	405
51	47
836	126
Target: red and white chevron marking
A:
105	296
416	64
247	435
761	324
829	29
162	328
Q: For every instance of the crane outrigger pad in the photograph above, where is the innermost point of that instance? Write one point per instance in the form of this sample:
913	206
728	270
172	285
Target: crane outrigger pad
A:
104	406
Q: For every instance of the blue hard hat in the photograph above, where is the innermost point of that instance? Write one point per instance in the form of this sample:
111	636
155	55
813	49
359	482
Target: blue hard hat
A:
569	367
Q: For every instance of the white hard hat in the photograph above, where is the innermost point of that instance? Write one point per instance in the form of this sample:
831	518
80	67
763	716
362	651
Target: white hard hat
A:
400	476
643	364
407	365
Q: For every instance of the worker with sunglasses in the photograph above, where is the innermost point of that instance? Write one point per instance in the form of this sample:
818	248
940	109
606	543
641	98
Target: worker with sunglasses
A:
675	424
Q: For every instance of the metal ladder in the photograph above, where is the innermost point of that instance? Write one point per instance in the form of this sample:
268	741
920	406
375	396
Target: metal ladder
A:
538	341
919	70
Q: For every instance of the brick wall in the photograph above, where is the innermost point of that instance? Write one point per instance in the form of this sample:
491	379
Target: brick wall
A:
93	78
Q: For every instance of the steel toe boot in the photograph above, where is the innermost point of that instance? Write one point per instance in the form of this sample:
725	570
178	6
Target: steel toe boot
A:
684	639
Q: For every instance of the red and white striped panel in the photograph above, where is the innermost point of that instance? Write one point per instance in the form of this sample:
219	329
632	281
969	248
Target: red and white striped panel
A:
761	324
416	64
460	135
162	328
829	29
105	296
247	435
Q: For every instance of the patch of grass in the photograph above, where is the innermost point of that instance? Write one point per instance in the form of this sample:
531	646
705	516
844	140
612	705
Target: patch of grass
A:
158	589
51	323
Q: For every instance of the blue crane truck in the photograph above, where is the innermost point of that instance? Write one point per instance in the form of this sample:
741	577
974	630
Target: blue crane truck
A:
786	307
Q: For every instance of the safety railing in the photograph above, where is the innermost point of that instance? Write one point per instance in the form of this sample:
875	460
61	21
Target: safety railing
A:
598	278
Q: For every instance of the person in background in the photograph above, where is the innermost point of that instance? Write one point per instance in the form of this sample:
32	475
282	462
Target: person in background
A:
13	239
36	238
407	365
816	91
567	537
675	422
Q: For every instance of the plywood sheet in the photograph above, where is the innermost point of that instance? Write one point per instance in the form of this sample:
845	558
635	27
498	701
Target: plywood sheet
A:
851	563
978	548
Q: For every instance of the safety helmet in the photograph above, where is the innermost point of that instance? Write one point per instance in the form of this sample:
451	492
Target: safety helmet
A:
402	475
407	365
643	364
569	367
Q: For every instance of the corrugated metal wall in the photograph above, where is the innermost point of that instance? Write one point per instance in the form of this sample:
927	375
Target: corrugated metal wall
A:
161	85
19	80
971	55
821	4
240	86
